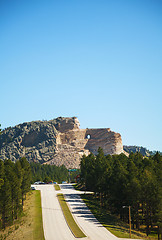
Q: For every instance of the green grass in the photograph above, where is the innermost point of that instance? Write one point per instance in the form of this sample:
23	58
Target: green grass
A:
79	187
69	218
111	222
38	223
29	224
57	187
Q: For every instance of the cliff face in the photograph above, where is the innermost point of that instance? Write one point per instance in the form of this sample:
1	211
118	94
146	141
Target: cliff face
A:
109	141
59	141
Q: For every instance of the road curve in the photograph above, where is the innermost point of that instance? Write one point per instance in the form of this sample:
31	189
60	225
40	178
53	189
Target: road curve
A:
54	223
85	219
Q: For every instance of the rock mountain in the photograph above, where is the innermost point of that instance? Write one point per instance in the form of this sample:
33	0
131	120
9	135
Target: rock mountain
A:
144	151
58	141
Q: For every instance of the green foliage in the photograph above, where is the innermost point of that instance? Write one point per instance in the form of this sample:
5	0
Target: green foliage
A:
111	222
15	183
73	175
5	202
38	223
57	187
26	177
47	173
1	173
47	179
126	181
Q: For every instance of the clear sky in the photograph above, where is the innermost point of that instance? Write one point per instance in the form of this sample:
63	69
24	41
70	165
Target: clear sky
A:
99	60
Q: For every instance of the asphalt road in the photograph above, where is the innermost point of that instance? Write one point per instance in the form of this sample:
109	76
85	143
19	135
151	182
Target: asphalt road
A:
85	219
54	224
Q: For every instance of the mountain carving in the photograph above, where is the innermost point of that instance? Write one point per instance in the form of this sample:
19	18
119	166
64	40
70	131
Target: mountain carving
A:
58	141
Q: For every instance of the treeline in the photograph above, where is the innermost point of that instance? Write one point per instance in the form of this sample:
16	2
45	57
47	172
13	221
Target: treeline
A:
127	181
15	179
48	173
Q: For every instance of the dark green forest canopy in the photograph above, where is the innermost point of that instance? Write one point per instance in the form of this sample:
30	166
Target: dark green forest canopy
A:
48	173
15	183
134	181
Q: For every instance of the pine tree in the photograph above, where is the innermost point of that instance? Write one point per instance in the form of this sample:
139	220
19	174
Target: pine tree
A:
10	176
1	173
26	178
18	180
5	202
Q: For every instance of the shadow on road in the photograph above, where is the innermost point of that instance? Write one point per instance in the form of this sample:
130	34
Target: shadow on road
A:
66	186
80	209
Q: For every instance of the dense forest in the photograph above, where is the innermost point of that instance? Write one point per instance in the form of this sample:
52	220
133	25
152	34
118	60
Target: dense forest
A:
120	181
15	182
15	179
48	173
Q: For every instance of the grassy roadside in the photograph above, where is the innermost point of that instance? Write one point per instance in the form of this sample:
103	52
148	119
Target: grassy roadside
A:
69	218
112	223
38	222
57	187
29	225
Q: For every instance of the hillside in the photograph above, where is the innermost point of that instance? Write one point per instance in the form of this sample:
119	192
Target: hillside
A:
135	149
58	141
140	149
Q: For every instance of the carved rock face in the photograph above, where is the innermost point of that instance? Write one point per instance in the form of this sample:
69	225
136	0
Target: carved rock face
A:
109	141
66	124
58	141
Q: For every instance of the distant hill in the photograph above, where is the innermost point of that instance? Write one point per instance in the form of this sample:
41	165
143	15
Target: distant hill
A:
58	141
142	150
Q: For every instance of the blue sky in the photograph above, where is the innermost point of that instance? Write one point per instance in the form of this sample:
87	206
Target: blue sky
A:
98	60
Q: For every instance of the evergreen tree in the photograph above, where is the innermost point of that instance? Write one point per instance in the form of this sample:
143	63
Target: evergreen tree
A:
26	178
88	171
135	181
133	191
99	170
11	177
5	202
118	184
1	173
18	180
55	173
12	187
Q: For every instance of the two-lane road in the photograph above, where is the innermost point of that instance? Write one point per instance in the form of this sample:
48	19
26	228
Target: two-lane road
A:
85	219
54	224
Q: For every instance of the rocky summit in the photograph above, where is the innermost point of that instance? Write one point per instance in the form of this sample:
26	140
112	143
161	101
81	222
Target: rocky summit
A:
58	141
